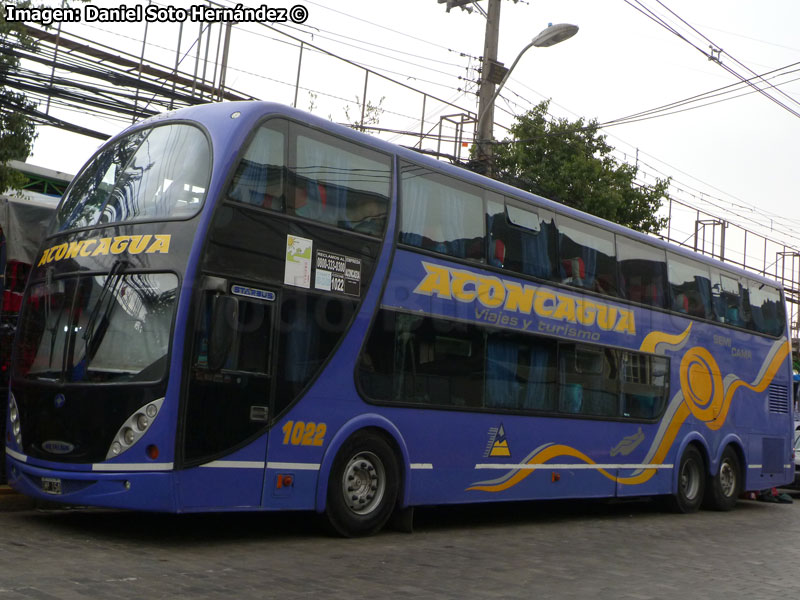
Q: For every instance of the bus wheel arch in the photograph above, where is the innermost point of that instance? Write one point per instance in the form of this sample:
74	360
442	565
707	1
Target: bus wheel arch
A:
364	484
690	478
724	487
364	425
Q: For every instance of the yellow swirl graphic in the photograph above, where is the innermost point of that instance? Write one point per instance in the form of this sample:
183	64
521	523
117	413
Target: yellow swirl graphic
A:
701	384
655	338
704	397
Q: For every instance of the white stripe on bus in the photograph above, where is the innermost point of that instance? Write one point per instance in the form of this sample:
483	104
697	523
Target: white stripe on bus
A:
17	455
294	466
567	466
235	464
124	467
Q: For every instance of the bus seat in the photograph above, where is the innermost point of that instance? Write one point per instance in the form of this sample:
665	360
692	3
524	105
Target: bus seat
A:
574	270
681	303
498	256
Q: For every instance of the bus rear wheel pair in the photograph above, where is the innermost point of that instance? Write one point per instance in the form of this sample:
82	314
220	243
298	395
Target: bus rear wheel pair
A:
696	488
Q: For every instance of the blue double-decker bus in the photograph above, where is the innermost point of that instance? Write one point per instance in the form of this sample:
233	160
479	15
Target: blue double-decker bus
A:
242	307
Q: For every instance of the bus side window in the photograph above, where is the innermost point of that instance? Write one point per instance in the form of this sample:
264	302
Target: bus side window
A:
587	256
728	300
337	182
520	372
644	385
690	286
643	272
260	175
767	310
440	214
410	359
528	235
589	380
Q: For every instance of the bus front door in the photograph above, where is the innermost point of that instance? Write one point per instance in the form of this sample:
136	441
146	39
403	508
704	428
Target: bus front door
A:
227	406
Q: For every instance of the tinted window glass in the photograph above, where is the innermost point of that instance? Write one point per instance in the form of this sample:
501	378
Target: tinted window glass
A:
338	183
103	328
44	324
328	180
766	308
520	372
228	402
590	381
586	256
157	173
522	239
419	360
690	287
643	272
728	299
310	326
260	176
441	214
645	382
93	186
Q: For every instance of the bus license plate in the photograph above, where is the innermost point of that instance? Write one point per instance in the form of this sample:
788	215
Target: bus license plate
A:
51	485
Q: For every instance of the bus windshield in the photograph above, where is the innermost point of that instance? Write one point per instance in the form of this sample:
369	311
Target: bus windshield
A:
156	173
99	328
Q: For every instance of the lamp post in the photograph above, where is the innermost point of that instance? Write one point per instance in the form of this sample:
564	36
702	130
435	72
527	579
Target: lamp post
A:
550	36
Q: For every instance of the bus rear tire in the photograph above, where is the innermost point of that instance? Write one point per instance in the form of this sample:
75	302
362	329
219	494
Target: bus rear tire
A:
363	486
723	489
691	482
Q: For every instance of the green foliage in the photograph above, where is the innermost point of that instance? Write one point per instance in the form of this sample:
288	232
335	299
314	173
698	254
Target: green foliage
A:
570	163
17	132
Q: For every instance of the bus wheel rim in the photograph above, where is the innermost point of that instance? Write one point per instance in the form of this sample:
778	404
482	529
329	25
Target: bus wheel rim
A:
690	480
727	478
364	483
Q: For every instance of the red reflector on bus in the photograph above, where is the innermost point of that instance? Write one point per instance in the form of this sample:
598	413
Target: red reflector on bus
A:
152	451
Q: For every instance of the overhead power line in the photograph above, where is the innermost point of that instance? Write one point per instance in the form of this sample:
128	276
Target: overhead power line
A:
715	53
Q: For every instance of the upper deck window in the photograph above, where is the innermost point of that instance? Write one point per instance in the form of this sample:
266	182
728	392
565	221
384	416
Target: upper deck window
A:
690	287
299	171
441	214
157	173
642	271
768	313
587	256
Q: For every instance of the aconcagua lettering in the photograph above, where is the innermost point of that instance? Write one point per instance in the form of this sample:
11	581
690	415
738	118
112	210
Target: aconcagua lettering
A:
131	244
493	292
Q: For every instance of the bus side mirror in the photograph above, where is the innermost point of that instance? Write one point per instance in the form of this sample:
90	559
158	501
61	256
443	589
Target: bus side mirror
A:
224	317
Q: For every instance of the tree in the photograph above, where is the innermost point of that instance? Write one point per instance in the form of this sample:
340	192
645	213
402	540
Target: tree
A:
570	163
17	131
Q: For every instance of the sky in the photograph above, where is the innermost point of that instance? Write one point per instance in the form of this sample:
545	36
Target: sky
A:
735	159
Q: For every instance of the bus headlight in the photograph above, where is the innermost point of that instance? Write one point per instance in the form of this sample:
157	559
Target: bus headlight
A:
15	432
134	427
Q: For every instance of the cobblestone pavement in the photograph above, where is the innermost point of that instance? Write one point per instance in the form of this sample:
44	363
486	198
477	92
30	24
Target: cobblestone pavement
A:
523	550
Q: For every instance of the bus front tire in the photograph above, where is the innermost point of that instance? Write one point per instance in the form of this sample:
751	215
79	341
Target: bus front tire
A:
691	482
723	489
363	486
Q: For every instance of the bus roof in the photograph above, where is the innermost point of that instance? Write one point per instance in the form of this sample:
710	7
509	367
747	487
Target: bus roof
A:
254	110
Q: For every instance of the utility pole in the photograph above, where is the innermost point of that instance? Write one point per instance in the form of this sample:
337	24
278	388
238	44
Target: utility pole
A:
489	78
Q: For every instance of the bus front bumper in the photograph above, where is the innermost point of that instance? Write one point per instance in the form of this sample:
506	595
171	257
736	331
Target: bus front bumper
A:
150	491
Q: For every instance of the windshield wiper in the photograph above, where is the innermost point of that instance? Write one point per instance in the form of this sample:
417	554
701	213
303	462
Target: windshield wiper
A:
98	322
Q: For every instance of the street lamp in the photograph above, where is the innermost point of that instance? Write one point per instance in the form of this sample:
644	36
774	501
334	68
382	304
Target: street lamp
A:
550	36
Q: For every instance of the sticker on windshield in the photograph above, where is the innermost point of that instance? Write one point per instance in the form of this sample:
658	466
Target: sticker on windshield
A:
298	262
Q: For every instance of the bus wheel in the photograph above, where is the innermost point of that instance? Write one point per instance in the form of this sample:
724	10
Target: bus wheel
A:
724	488
363	486
691	482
